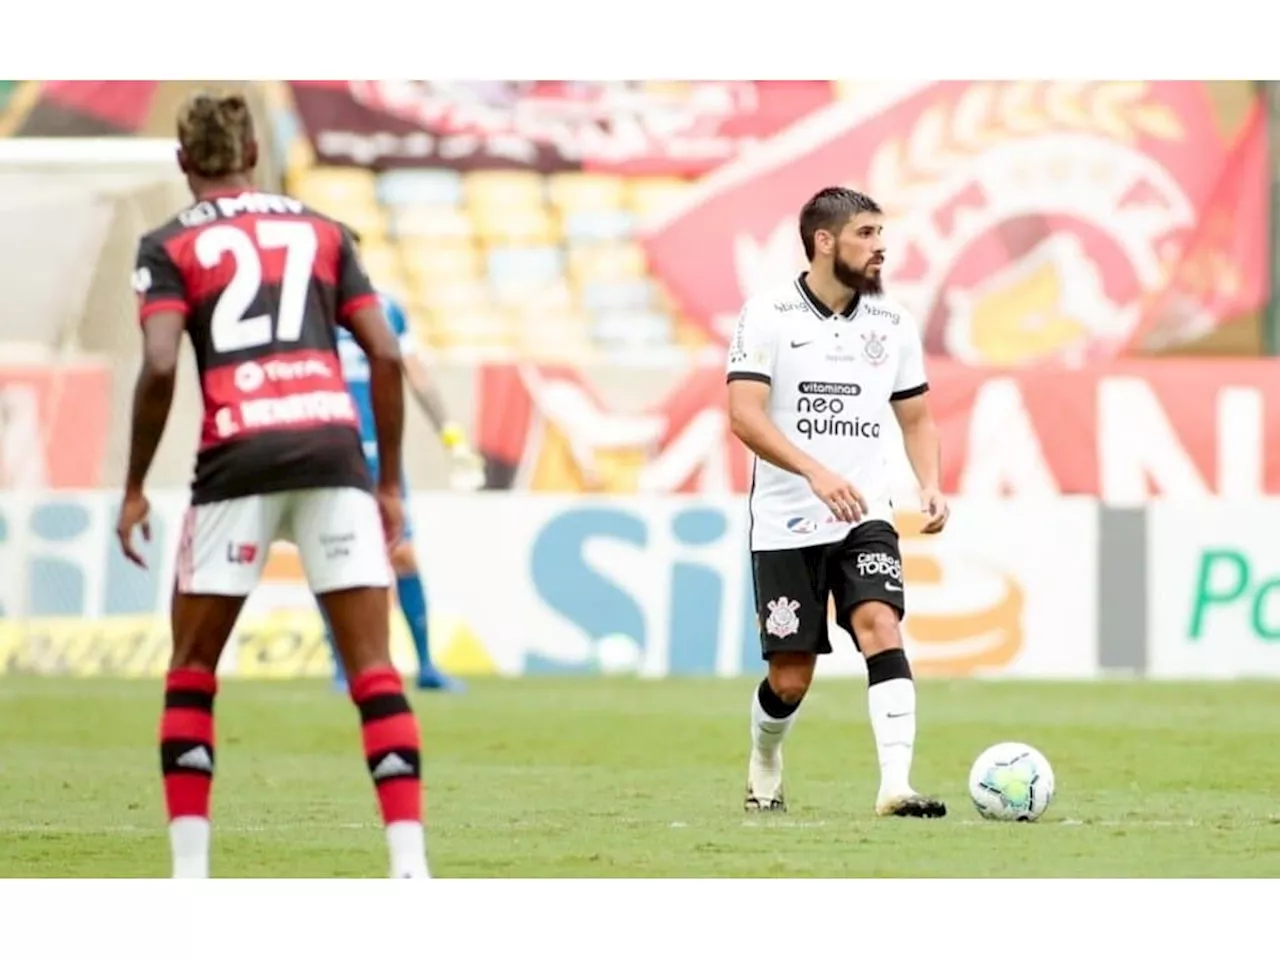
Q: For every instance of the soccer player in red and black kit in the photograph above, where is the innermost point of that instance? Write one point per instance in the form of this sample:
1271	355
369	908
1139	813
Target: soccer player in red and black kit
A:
259	283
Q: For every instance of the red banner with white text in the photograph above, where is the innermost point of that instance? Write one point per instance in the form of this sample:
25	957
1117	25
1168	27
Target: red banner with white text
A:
1028	221
676	128
54	422
1123	430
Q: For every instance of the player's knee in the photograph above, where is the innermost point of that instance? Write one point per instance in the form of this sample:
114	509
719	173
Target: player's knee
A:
403	561
188	657
875	626
790	680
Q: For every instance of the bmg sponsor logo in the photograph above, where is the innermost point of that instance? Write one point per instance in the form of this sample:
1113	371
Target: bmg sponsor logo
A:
822	412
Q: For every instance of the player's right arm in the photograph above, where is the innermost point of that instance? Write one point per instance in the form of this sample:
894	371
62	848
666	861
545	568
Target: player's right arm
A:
162	311
360	311
752	353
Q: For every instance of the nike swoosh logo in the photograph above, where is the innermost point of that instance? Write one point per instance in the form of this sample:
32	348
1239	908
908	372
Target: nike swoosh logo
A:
898	716
892	587
800	343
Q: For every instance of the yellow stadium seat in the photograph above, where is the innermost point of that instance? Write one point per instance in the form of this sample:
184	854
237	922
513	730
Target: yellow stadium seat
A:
515	226
471	330
585	191
382	263
432	260
329	186
446	295
553	345
649	196
668	89
606	261
503	189
299	160
447	223
369	222
552	295
690	335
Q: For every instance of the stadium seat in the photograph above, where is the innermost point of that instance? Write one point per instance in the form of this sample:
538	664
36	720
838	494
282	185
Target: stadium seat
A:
368	220
447	296
515	225
588	226
472	329
422	188
551	296
606	261
432	260
585	192
503	190
607	295
632	327
523	267
383	264
334	187
690	335
650	196
420	222
552	337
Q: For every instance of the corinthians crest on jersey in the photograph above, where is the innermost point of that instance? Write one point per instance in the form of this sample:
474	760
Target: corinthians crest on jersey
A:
832	378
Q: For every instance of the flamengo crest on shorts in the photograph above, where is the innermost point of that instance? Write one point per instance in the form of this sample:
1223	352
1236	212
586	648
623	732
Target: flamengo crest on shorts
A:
783	621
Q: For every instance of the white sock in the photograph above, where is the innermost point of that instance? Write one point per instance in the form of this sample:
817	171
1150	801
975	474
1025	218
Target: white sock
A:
407	844
892	705
189	841
767	733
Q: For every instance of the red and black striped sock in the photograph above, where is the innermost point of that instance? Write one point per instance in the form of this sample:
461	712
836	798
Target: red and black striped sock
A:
186	742
391	743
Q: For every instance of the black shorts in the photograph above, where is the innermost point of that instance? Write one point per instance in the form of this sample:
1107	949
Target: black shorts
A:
793	586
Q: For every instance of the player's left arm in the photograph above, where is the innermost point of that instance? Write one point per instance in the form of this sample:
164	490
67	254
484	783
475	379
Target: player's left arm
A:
468	468
162	311
920	435
420	380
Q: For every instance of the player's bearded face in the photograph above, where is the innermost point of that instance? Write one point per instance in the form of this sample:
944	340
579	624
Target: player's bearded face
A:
865	280
859	255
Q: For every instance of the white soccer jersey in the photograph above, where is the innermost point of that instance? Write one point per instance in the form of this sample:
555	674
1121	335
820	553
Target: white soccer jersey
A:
832	378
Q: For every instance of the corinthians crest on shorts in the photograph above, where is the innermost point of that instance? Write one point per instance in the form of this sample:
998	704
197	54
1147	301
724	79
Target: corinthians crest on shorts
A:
782	621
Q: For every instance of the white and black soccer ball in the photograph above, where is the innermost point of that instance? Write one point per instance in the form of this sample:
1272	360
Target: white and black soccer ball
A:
1011	781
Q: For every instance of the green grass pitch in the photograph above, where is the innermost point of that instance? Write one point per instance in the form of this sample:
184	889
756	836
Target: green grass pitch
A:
587	777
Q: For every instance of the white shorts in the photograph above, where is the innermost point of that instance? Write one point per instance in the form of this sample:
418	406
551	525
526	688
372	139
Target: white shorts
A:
338	533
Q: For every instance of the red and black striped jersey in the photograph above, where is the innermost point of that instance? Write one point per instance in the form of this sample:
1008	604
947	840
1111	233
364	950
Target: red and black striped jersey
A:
263	281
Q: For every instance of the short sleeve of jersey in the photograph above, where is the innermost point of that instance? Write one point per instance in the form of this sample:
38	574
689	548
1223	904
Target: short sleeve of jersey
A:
753	346
399	323
911	380
355	290
157	281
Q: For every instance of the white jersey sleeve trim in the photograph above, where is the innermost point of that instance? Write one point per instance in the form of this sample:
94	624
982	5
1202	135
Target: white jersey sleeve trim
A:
753	347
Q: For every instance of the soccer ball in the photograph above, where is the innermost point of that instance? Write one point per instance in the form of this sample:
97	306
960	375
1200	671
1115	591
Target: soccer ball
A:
1011	781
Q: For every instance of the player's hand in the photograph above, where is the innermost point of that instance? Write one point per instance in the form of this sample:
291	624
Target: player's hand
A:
467	472
841	497
391	507
135	511
936	510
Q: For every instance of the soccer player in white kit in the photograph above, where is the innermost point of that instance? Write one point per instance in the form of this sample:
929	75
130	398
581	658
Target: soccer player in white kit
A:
814	368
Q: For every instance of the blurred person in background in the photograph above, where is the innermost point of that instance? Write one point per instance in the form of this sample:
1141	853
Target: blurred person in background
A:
467	474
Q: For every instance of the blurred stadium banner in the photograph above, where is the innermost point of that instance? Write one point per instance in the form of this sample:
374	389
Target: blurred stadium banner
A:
54	423
650	585
660	586
1123	430
1223	268
1031	221
679	128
